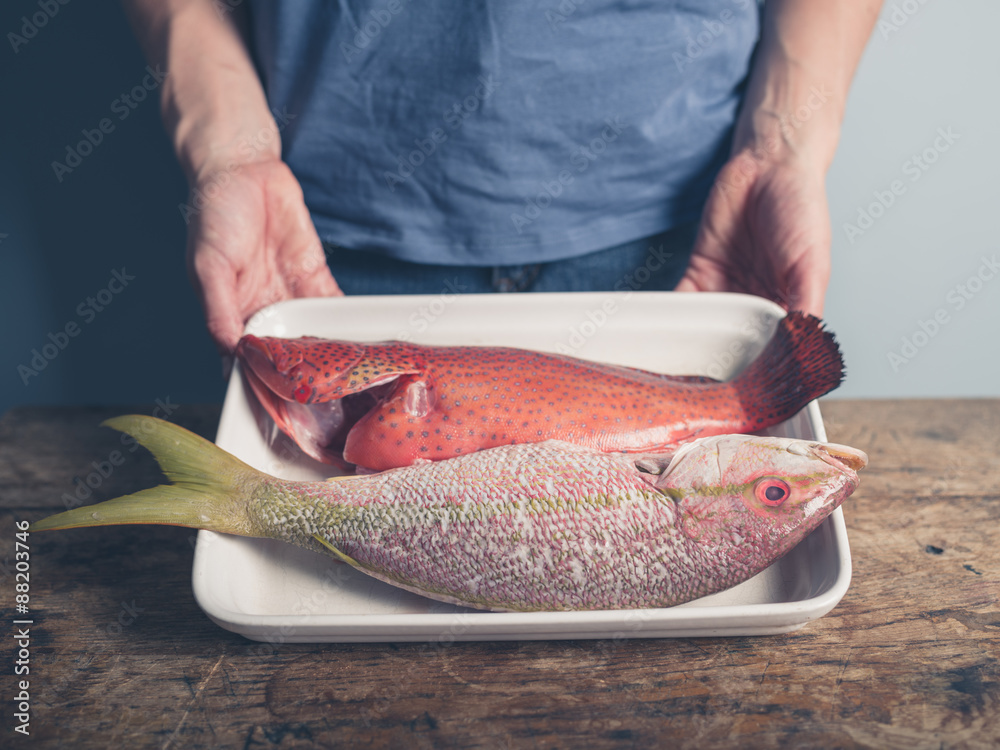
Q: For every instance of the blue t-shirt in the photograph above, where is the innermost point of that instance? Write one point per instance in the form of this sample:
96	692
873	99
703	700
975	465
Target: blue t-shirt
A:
485	132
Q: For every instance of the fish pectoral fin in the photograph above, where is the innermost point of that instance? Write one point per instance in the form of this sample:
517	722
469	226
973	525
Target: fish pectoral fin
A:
687	437
377	365
653	463
336	552
368	374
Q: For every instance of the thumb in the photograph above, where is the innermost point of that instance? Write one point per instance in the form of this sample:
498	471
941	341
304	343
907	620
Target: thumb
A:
809	294
215	285
222	314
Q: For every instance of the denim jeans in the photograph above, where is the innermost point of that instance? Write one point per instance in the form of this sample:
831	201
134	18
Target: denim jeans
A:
654	263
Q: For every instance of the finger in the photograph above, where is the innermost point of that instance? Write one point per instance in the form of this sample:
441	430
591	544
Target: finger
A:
687	284
707	267
809	294
309	275
304	271
689	281
704	274
320	284
217	289
225	324
304	267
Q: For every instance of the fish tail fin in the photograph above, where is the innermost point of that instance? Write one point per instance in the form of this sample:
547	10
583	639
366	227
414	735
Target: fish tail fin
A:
801	362
209	487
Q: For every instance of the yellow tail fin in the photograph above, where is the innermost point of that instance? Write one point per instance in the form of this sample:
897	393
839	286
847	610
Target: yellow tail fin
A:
210	487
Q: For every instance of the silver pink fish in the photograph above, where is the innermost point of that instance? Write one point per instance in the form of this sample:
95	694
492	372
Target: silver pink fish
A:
542	526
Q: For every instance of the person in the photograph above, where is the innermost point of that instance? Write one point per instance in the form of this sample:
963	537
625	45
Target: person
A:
296	120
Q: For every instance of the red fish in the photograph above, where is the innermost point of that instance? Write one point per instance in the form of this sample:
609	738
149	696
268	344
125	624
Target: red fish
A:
392	404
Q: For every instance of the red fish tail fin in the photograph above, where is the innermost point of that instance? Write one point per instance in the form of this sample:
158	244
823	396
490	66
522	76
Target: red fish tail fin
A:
800	363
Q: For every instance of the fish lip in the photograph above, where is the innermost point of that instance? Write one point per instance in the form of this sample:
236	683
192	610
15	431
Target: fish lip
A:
841	457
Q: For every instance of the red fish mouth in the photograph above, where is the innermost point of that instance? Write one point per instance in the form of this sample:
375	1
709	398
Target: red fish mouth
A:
840	456
269	370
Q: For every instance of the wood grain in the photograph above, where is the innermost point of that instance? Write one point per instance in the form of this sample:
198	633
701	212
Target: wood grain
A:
121	653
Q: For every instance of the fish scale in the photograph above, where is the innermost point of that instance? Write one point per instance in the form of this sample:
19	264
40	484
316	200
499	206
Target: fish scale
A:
438	402
541	526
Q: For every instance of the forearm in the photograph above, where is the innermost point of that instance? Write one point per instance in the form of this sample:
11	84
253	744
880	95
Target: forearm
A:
213	104
802	72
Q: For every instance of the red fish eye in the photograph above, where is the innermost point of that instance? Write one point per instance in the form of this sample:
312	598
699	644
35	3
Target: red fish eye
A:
771	491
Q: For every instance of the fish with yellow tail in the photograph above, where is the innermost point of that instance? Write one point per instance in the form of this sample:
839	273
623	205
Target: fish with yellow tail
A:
526	527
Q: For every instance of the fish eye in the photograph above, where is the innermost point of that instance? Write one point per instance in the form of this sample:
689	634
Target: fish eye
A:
771	491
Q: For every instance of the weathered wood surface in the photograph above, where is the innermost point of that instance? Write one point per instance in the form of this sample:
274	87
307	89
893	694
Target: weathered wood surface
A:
909	659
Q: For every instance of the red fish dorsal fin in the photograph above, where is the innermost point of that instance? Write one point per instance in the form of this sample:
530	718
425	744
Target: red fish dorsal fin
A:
311	370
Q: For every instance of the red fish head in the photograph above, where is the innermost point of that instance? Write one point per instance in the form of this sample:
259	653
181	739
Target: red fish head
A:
315	389
303	370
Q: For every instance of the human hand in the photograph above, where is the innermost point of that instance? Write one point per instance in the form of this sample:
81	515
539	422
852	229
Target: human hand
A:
765	230
251	244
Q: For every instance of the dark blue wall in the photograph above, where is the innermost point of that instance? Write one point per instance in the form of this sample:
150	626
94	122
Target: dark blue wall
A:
62	241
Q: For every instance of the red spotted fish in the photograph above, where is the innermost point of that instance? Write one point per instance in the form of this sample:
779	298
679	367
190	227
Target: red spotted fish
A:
393	404
540	526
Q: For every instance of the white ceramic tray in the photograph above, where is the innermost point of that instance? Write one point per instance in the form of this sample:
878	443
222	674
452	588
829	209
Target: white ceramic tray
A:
270	591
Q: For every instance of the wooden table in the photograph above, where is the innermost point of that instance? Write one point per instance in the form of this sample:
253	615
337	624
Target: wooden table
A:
120	653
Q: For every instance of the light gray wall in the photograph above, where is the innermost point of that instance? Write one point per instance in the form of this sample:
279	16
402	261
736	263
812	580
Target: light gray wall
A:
936	72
